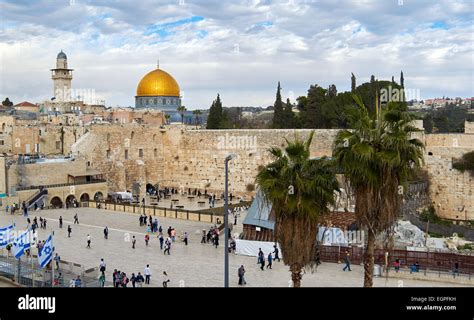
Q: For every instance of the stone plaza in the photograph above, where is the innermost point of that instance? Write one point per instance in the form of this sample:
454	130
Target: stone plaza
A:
195	265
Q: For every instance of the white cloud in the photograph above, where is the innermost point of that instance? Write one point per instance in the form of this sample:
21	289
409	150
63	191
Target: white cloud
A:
239	49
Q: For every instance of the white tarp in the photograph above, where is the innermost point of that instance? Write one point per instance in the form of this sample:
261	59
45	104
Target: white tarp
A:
250	248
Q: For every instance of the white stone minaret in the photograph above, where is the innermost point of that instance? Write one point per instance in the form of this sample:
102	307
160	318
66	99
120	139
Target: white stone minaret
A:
62	77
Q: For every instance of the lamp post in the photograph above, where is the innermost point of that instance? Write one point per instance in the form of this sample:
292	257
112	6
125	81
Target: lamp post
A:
226	222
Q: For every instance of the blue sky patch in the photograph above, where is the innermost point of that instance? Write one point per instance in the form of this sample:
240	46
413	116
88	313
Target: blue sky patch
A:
439	25
164	29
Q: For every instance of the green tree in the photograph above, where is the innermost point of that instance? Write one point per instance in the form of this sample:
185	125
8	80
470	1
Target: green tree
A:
278	113
197	116
7	102
214	120
288	115
299	190
167	117
314	106
181	110
378	157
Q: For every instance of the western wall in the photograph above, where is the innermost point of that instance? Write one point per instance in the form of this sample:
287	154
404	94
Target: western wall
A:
186	158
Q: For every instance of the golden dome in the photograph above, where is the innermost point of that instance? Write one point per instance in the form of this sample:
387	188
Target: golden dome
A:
158	83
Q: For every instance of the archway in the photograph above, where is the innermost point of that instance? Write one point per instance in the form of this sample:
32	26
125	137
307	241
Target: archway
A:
98	196
71	201
150	189
84	197
56	203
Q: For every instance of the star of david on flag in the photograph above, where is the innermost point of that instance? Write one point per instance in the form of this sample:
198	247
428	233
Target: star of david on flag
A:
21	243
46	253
5	237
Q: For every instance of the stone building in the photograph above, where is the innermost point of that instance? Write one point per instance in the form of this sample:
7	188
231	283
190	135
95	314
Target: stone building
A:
158	90
53	182
62	77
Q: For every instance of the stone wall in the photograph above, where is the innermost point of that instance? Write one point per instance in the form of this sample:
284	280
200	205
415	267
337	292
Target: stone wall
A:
469	127
195	159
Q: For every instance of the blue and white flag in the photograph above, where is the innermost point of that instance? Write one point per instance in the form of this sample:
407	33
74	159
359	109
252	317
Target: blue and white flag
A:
5	237
46	253
21	243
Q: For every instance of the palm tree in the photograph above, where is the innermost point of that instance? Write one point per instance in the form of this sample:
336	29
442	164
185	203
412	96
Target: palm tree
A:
299	189
197	115
181	110
378	157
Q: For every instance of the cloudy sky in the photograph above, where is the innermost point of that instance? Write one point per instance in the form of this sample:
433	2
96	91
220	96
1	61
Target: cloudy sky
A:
240	49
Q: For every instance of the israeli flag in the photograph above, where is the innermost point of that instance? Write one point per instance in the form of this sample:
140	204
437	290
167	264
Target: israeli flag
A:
46	253
5	235
21	243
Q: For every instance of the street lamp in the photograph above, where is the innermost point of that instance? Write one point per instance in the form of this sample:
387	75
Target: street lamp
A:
226	222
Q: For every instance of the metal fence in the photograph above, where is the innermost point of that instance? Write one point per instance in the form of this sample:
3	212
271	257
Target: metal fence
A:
434	261
204	216
28	273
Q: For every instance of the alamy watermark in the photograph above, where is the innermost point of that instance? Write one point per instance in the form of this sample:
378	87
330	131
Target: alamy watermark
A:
237	142
392	94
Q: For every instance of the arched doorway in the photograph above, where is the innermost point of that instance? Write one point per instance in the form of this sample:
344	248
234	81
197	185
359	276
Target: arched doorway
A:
98	196
56	203
150	189
84	197
71	201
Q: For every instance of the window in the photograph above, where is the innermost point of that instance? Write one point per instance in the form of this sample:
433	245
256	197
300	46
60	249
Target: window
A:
2	143
164	101
3	127
132	135
155	152
155	101
108	154
126	154
58	145
140	153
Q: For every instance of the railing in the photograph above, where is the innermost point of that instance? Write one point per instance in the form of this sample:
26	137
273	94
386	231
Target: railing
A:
194	215
61	185
32	200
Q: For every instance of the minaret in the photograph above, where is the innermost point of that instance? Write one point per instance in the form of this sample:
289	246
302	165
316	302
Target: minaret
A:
62	77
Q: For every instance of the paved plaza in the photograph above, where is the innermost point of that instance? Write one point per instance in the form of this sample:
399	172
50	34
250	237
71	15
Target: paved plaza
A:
195	265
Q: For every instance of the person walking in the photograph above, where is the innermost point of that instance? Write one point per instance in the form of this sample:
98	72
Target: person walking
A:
76	219
456	269
69	230
78	282
102	281
102	266
241	274
133	279
167	246
106	232
133	242
347	261
88	241
270	259
276	252
147	273
61	222
165	279
203	239
186	238
57	258
160	237
147	238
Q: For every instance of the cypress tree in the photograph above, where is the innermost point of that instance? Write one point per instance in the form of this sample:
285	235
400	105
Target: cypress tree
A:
288	115
278	116
215	118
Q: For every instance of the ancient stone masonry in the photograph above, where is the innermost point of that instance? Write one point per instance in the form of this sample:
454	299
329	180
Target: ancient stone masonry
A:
183	158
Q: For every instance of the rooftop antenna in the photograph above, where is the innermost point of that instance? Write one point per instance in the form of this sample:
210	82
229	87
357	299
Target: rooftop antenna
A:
158	64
